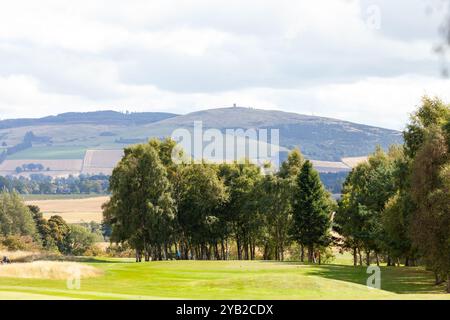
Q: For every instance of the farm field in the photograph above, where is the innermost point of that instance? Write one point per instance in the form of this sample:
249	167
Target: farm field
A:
124	279
52	168
34	197
53	153
72	210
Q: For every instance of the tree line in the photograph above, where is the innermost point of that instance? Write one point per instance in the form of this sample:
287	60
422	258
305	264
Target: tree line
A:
206	211
23	227
38	183
395	207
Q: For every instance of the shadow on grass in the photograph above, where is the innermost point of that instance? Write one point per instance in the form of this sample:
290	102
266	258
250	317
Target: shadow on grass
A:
402	280
90	259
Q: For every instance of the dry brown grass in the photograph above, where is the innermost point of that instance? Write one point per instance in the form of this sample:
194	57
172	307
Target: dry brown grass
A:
98	160
27	256
102	245
353	161
48	270
73	210
329	166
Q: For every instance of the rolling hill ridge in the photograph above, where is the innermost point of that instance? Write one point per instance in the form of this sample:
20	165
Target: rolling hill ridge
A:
74	136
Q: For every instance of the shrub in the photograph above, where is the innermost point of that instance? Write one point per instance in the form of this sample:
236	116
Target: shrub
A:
15	243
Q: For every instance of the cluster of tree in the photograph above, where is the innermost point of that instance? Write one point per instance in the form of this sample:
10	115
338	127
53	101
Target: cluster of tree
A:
333	181
18	147
129	140
26	143
30	137
31	167
396	207
54	234
43	184
3	156
201	211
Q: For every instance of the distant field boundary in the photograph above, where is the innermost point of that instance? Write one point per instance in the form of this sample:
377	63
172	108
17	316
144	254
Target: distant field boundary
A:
103	161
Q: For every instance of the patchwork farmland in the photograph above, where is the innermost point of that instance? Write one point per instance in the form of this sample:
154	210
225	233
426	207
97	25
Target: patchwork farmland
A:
93	162
103	162
100	161
54	168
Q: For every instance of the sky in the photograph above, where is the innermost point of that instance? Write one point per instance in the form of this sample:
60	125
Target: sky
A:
358	60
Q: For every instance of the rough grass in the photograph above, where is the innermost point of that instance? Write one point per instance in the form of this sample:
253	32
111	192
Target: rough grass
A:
125	279
48	270
27	256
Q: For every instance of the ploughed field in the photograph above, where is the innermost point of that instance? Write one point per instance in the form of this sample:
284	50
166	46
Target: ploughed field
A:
72	210
106	278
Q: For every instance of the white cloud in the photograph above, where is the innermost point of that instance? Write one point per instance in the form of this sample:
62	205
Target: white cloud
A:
319	57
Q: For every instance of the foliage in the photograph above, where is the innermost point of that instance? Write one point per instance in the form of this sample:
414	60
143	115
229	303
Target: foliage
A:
141	206
311	211
15	217
198	209
79	240
38	183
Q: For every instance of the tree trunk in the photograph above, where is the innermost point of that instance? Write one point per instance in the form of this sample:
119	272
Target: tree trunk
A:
407	261
360	257
355	257
437	280
161	253
247	253
222	247
388	260
216	251
448	282
302	253
238	245
226	249
378	259
368	258
266	251
253	250
166	256
311	258
138	258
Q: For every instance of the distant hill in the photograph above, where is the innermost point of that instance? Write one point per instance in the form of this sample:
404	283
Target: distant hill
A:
318	137
69	135
95	117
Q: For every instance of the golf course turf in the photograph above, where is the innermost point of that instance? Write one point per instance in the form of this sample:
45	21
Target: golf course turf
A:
125	279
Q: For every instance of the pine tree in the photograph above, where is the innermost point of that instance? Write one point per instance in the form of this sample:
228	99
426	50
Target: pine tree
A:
311	211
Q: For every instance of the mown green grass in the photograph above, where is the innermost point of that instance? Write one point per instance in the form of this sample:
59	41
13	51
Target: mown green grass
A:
124	279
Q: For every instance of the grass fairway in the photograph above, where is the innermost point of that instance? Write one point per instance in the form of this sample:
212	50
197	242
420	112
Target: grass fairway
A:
124	279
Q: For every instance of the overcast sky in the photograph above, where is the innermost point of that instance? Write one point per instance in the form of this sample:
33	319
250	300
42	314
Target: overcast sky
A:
362	61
